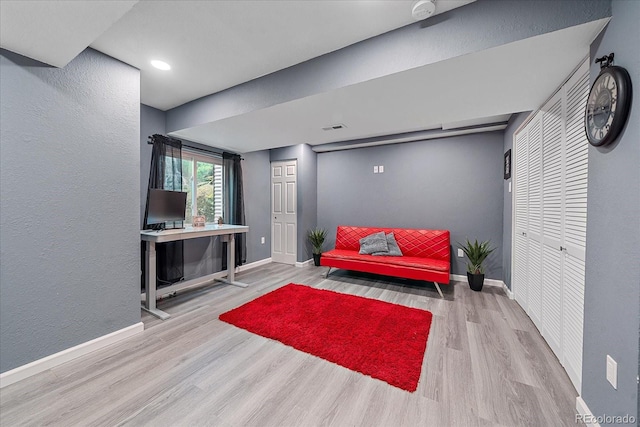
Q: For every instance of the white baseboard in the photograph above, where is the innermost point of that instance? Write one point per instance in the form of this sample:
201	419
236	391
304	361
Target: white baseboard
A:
487	282
507	291
458	278
191	283
253	265
204	280
41	365
304	263
582	410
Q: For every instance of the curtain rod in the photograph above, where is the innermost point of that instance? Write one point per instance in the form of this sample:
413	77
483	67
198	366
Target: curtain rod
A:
150	138
189	147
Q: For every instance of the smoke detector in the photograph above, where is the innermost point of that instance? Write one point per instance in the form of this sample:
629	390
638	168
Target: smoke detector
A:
423	9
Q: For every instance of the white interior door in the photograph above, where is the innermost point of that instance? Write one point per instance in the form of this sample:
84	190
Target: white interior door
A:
284	221
575	223
521	195
534	235
550	225
552	221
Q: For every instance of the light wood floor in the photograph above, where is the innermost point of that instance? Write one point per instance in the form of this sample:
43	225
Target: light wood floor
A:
485	365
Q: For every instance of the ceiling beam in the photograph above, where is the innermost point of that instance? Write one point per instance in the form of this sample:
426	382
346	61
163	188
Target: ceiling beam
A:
473	28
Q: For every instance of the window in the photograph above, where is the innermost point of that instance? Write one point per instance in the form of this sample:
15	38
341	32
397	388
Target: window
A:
202	180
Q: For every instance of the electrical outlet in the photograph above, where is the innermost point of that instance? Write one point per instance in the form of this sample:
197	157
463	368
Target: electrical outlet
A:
381	169
460	253
262	240
612	372
375	169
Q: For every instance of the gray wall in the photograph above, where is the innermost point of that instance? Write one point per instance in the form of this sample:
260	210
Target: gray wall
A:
256	171
69	234
307	199
452	183
152	121
507	214
307	184
201	256
472	28
612	290
204	256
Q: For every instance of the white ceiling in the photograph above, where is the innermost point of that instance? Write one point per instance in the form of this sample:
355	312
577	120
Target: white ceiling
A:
55	32
214	45
514	77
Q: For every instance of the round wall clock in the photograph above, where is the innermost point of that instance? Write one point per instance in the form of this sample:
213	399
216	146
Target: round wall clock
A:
608	106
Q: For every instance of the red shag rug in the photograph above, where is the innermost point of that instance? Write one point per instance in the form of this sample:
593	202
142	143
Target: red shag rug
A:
385	341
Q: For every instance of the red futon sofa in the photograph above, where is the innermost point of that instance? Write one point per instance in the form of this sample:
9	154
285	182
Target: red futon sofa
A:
426	254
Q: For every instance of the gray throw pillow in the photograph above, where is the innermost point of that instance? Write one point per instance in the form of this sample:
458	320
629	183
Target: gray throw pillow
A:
376	242
394	249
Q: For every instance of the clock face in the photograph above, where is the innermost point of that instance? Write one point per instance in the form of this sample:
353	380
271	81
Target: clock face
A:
601	107
607	106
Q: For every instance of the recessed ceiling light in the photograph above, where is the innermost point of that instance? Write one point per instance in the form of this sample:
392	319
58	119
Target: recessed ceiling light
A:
161	65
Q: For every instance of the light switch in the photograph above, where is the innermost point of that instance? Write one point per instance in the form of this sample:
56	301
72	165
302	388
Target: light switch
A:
509	186
381	169
460	253
262	240
612	372
375	169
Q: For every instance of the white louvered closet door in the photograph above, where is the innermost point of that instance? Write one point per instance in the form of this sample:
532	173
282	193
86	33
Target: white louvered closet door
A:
534	234
575	223
520	188
552	221
550	186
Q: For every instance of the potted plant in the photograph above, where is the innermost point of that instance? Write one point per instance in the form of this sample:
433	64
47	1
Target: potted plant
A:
316	238
476	253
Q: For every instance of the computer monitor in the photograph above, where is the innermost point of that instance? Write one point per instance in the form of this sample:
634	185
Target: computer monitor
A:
166	206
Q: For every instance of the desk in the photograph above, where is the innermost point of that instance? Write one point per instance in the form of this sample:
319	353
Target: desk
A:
153	237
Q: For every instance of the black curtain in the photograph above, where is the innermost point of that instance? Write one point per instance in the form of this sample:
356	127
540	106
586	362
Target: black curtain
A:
166	174
233	204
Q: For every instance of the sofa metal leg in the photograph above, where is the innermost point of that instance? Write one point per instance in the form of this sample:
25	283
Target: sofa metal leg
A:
328	271
438	289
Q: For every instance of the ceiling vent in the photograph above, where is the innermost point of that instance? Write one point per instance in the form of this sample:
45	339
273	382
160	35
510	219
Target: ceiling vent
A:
423	9
334	127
